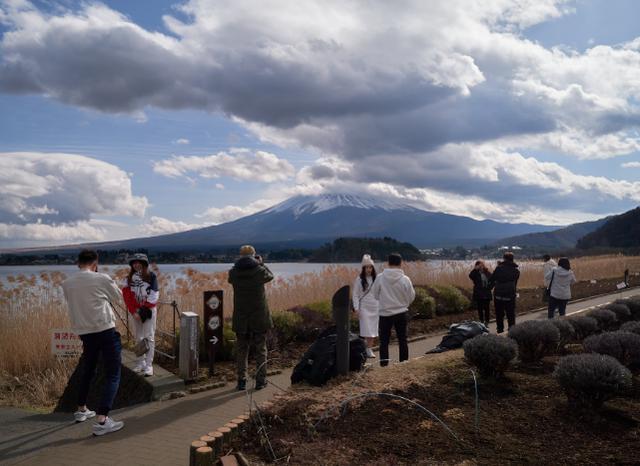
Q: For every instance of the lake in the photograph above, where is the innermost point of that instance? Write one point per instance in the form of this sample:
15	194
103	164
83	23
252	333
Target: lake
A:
282	269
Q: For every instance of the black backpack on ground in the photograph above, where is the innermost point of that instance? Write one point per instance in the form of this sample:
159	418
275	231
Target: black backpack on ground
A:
318	364
457	335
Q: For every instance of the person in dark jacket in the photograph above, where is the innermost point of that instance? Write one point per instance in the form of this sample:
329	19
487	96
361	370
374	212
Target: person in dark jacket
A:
251	316
504	282
480	276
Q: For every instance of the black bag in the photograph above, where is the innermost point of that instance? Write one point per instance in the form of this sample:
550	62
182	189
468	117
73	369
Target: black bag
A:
547	291
318	364
144	313
457	335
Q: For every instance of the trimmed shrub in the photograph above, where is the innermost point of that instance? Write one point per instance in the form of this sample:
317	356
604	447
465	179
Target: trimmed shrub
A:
567	333
606	319
491	354
449	300
589	380
324	309
535	339
634	306
633	327
424	306
622	312
286	326
583	326
624	346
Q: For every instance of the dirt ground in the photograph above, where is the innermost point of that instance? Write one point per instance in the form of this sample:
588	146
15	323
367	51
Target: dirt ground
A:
522	420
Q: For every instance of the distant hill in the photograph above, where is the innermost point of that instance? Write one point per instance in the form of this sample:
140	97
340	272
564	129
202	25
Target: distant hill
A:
620	231
562	238
352	249
311	221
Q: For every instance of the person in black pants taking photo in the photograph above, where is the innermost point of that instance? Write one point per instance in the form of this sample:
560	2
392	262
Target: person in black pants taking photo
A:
394	292
504	282
480	276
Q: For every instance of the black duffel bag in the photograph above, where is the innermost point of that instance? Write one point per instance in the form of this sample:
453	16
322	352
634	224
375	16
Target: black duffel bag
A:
457	335
318	364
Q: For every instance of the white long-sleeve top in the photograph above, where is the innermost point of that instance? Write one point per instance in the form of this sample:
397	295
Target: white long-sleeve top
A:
364	299
562	281
547	268
394	292
89	296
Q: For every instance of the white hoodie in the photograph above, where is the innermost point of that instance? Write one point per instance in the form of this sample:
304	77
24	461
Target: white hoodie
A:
547	268
394	292
562	281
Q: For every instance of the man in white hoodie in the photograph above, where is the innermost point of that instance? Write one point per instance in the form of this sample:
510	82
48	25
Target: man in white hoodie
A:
394	292
89	296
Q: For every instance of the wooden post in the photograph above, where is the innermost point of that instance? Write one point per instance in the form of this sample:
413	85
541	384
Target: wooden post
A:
226	432
233	427
192	451
217	442
340	307
204	456
208	440
239	422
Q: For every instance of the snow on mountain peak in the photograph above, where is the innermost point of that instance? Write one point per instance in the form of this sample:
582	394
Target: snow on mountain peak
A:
324	202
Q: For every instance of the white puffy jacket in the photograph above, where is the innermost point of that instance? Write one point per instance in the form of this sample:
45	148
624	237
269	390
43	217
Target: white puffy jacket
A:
562	281
394	292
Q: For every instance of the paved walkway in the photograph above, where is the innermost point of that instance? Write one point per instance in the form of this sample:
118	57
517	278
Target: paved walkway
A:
158	433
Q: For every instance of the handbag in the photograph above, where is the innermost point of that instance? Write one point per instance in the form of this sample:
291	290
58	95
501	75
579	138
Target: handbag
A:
547	291
141	347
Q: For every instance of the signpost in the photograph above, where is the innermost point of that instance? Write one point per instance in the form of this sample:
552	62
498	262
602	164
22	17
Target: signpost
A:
65	343
213	324
340	306
189	338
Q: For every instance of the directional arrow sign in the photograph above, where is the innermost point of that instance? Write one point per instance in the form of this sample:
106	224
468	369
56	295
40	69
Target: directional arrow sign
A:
214	340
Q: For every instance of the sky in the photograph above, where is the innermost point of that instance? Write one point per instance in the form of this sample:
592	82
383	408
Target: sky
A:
124	119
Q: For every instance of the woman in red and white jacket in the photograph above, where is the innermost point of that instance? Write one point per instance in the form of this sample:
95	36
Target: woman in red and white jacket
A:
141	296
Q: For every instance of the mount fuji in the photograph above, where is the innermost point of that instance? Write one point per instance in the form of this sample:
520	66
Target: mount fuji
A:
309	221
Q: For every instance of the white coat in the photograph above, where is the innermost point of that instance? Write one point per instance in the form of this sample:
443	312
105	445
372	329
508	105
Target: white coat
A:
367	307
562	281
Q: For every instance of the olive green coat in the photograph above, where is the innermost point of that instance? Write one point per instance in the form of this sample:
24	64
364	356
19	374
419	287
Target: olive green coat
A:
250	309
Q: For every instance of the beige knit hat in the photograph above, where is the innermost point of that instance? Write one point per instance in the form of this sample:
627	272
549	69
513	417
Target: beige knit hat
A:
247	250
366	260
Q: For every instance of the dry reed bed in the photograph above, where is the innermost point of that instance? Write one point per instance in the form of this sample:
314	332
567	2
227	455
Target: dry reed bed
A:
32	305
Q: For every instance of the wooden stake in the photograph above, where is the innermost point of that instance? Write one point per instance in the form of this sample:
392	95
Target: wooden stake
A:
192	450
217	442
204	456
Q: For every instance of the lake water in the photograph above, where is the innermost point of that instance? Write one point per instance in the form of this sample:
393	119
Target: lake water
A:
284	269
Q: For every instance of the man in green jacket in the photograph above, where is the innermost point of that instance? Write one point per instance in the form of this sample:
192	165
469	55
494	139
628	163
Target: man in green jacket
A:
251	316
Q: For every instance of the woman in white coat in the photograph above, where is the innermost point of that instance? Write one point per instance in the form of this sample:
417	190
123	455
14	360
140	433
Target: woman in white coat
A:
365	304
560	279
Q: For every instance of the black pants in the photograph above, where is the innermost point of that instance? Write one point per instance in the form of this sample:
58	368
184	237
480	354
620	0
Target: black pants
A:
483	306
555	303
399	321
502	307
109	345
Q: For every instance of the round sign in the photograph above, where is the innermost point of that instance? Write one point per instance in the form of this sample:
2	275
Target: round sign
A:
213	302
214	322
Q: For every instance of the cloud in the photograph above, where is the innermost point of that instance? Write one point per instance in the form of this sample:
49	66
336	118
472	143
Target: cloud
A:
631	165
218	215
241	164
159	226
51	194
182	141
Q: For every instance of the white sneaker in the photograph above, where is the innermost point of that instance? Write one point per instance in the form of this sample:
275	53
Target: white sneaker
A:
370	353
140	367
109	426
81	416
148	371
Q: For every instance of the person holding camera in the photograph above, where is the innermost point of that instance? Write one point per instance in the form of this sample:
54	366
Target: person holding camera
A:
141	296
251	316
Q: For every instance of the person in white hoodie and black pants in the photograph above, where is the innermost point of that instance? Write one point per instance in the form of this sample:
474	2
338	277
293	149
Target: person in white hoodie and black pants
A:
394	292
560	279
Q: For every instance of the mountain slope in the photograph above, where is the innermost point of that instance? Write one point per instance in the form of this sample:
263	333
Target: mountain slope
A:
311	221
563	238
620	231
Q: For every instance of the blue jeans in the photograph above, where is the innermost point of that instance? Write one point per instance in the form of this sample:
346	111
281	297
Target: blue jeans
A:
108	344
555	303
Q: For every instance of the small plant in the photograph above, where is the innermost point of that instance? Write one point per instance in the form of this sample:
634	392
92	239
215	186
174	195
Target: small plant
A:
589	380
624	346
424	306
535	338
491	354
324	309
607	319
449	300
622	311
286	326
567	332
633	327
584	326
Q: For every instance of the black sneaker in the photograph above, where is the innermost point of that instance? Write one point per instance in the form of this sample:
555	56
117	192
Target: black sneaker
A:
260	385
242	385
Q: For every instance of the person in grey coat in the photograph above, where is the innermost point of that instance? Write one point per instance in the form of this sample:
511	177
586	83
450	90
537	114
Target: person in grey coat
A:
560	279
